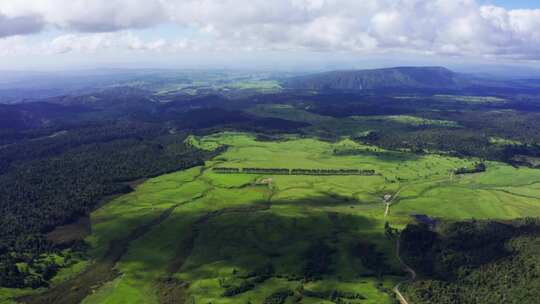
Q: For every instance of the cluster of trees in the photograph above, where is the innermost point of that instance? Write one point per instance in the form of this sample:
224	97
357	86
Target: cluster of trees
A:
474	262
245	286
34	274
250	281
55	180
278	297
262	273
297	171
478	168
335	296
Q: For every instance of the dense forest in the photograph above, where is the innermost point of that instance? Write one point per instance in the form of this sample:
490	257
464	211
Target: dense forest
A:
55	180
474	262
474	124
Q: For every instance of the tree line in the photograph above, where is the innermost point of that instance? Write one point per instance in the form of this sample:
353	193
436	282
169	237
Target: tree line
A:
296	171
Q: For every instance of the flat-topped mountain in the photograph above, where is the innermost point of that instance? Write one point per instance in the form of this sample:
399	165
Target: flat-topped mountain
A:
399	77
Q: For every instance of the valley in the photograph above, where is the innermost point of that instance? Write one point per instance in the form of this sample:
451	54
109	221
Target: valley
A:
233	238
266	195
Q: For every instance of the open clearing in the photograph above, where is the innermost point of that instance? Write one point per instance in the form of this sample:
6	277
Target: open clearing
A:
230	238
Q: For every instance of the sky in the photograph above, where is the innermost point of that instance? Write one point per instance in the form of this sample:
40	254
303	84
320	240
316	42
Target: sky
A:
263	34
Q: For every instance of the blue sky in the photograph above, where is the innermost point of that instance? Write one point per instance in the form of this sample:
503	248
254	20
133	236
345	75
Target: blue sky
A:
515	4
284	34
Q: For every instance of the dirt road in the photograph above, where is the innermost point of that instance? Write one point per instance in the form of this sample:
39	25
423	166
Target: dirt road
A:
408	269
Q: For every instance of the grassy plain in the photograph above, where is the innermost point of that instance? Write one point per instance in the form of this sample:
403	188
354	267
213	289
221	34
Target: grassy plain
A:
223	229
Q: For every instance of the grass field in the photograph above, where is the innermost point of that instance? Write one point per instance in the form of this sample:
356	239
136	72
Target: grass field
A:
230	238
417	121
470	99
503	141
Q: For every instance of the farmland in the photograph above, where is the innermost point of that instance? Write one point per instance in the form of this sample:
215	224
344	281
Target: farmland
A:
208	237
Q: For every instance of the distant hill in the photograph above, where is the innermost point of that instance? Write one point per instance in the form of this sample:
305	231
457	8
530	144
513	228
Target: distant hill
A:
36	115
400	77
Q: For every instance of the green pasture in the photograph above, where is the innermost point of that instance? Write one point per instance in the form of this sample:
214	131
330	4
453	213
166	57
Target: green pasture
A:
470	99
222	228
418	121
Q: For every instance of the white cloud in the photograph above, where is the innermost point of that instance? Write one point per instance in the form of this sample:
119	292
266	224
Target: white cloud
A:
88	44
444	27
89	15
100	42
13	45
20	25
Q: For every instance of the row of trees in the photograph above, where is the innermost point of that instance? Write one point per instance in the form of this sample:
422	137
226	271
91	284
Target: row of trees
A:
274	171
297	171
226	170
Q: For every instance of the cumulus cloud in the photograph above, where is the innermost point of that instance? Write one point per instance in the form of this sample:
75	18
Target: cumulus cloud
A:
443	27
13	45
20	25
89	15
99	42
94	43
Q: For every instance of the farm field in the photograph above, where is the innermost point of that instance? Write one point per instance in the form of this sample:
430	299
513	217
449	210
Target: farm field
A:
231	238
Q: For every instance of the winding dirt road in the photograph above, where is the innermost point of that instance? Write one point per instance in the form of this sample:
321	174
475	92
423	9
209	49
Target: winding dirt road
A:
408	269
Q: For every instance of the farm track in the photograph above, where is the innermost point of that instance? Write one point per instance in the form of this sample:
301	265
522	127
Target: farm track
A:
396	195
408	269
514	194
436	184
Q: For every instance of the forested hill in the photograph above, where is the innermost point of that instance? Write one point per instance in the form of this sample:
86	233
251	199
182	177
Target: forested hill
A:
400	77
